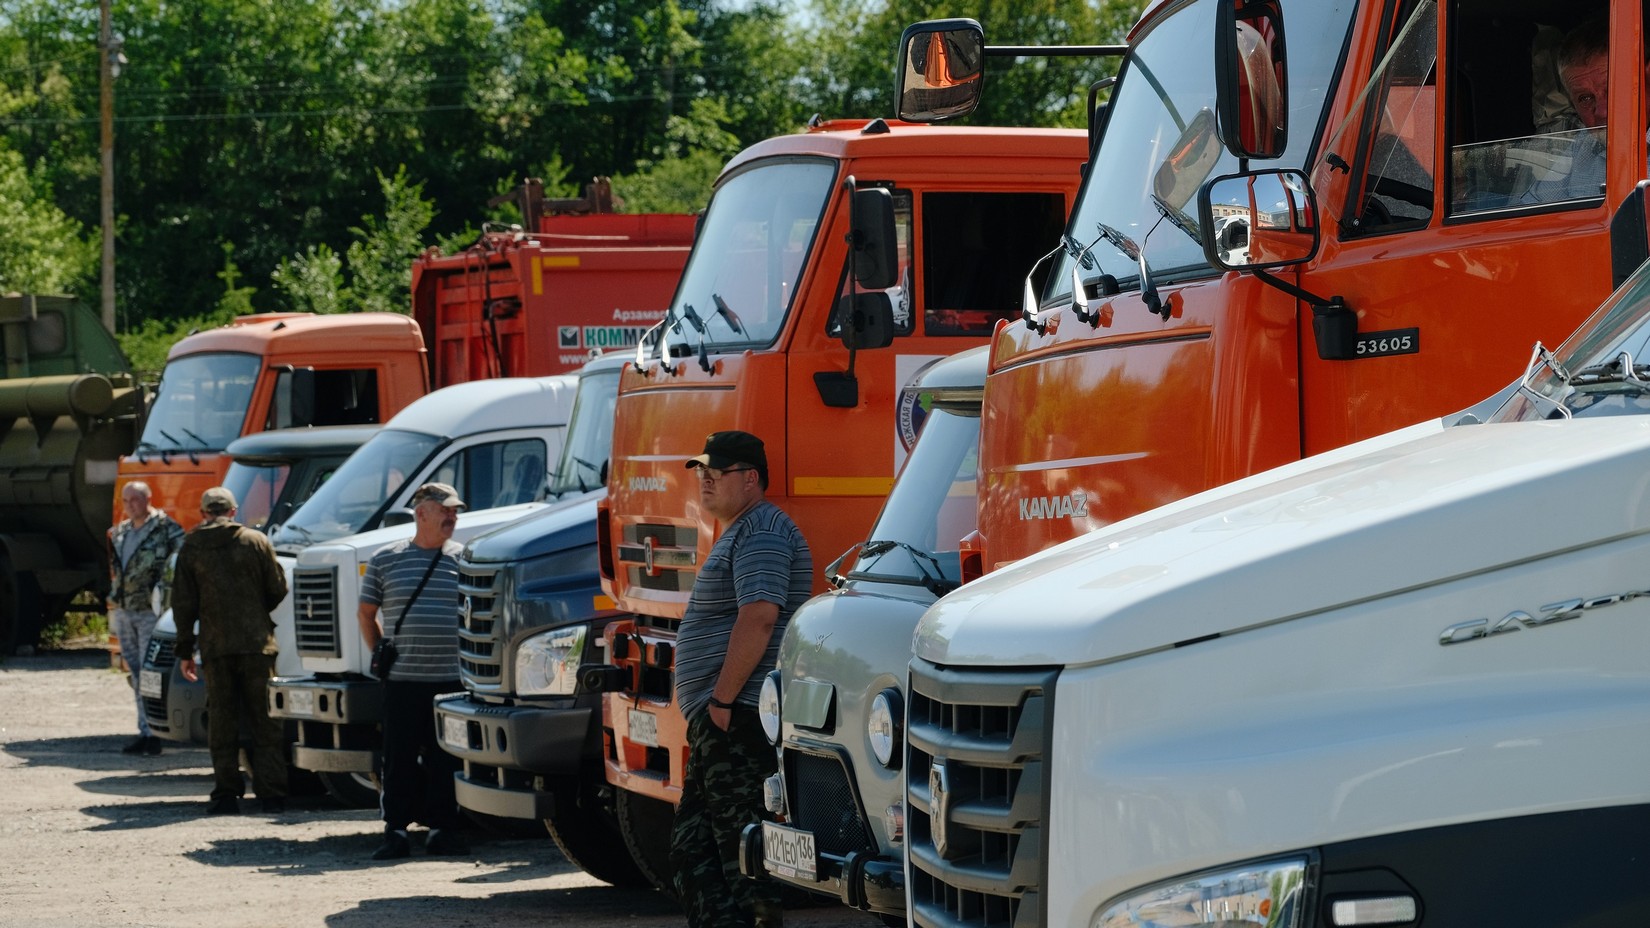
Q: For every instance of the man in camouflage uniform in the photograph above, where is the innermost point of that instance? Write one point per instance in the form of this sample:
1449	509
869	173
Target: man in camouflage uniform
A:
756	575
139	547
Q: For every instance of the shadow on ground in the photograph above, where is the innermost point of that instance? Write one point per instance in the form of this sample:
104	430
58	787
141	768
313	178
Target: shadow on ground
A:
341	853
93	658
536	907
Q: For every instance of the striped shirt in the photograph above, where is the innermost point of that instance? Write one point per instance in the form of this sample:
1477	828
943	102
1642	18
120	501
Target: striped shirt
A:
427	644
762	557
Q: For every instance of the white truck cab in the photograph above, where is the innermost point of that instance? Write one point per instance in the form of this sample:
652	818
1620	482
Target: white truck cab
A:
1403	683
493	441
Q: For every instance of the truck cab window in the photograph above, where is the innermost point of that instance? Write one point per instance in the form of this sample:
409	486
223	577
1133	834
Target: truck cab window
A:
500	473
1396	164
900	294
976	248
323	397
1516	137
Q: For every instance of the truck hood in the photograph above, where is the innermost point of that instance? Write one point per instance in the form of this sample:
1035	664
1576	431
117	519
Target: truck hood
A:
1396	513
565	524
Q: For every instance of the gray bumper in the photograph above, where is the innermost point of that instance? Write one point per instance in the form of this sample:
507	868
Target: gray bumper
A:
545	740
341	702
862	880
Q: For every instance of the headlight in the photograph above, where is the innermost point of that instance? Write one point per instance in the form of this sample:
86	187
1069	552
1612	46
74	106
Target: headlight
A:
1265	893
547	664
883	727
767	706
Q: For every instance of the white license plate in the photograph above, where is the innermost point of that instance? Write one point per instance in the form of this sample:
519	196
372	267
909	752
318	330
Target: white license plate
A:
644	728
789	852
149	684
455	732
300	702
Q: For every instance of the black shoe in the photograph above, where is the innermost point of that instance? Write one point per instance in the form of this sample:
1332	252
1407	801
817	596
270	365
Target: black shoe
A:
228	805
137	747
445	842
396	846
274	805
151	746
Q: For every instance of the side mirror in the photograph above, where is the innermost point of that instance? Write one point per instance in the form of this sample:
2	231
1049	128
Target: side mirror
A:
1191	158
867	321
1258	219
1252	78
398	517
873	240
941	70
1629	236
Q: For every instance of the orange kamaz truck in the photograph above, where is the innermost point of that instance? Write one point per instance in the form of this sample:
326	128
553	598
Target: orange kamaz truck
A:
831	266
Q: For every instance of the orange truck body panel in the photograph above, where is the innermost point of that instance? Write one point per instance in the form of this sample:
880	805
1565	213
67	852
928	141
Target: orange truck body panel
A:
386	343
830	467
1088	424
582	283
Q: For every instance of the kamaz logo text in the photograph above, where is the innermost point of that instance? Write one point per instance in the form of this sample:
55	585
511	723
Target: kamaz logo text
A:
648	485
1547	615
1072	506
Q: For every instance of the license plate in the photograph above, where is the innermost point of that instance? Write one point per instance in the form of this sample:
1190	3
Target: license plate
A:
455	732
300	702
789	852
644	728
149	683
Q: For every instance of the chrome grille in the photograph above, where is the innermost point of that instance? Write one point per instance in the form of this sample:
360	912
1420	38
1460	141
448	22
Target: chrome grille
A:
162	654
977	795
315	611
823	802
480	648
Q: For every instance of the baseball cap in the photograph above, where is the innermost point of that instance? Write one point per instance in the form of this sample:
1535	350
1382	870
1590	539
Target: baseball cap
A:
217	499
730	449
442	493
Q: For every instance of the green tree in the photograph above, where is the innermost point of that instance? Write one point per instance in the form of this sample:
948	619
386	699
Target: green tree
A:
41	249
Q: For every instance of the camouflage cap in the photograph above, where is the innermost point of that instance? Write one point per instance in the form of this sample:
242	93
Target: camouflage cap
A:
218	499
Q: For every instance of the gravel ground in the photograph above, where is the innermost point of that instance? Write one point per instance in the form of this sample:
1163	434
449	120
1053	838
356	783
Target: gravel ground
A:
91	836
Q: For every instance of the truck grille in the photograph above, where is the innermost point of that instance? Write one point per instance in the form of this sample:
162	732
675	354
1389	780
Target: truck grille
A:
480	649
315	611
977	795
161	656
823	802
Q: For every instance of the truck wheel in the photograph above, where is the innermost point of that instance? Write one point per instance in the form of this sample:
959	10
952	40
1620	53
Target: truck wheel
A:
351	790
20	618
589	838
645	823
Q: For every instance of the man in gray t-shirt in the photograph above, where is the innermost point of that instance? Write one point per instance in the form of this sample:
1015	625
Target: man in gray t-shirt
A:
409	595
756	575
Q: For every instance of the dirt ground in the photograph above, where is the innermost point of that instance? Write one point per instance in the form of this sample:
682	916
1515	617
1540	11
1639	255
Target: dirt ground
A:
91	836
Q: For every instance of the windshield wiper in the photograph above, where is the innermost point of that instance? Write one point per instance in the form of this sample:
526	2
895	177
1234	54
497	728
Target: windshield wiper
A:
1539	357
1618	370
1082	257
935	582
727	314
1148	290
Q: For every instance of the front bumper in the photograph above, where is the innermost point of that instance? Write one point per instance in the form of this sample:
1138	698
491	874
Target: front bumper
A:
338	721
861	879
179	712
508	750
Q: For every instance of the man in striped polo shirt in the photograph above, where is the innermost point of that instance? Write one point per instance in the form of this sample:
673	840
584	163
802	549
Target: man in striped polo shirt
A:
756	575
415	584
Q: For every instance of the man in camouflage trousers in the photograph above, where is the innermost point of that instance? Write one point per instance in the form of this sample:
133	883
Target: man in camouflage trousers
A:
756	575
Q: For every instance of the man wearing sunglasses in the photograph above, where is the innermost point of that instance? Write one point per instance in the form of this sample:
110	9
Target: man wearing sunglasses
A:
756	575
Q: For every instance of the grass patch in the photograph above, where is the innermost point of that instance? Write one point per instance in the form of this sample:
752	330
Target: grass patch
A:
84	623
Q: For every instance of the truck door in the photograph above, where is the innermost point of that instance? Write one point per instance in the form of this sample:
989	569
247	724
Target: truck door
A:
1464	218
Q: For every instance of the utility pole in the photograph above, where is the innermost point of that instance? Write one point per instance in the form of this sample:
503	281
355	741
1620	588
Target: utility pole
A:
107	57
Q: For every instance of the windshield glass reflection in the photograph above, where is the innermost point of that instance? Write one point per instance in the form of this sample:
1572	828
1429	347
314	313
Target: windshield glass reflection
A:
201	403
932	505
589	442
1601	370
372	476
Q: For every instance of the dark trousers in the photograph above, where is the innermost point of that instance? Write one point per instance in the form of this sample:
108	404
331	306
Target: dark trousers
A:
236	700
721	794
418	774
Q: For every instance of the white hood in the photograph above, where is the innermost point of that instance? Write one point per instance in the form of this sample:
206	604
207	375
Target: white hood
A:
1397	512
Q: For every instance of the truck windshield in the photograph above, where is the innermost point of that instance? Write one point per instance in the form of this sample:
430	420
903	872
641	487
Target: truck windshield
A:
373	475
1601	370
583	464
752	249
932	505
1163	96
201	402
256	488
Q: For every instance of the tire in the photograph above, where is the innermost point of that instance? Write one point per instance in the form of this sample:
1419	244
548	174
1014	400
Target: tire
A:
589	838
20	615
351	790
645	824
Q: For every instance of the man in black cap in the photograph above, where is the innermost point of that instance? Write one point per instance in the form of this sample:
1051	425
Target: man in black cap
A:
756	575
228	580
415	582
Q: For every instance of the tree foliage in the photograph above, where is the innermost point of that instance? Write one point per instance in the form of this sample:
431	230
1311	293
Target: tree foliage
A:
319	146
